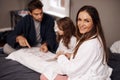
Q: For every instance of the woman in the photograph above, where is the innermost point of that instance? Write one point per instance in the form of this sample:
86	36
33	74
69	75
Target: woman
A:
89	60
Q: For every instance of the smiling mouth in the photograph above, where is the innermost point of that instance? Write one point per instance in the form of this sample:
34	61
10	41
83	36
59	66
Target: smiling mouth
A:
82	28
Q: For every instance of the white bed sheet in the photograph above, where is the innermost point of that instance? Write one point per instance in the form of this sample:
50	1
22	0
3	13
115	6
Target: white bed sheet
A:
33	58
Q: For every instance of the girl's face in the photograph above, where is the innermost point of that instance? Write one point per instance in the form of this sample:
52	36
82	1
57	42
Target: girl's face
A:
84	22
60	32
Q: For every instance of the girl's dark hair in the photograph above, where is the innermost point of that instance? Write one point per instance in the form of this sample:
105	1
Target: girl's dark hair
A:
96	31
35	4
67	26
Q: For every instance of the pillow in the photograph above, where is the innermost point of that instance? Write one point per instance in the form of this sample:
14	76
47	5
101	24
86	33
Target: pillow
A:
115	48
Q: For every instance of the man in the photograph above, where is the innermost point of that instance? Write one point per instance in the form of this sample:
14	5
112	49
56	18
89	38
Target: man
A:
35	29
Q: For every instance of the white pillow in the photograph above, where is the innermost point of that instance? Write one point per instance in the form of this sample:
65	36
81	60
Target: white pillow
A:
115	48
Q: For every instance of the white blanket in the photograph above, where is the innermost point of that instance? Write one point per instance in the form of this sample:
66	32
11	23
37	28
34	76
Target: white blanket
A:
33	58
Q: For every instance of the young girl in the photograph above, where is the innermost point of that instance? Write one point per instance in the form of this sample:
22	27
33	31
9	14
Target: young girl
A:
89	60
65	36
67	40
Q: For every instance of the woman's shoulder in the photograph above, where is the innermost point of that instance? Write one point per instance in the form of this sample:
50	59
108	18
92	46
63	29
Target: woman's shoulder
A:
93	42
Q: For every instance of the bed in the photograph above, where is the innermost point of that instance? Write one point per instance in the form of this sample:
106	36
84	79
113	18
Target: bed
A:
114	60
12	70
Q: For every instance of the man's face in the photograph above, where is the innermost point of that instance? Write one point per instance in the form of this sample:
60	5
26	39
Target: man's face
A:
37	14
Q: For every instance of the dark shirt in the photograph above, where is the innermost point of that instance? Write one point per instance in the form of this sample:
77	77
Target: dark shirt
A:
26	28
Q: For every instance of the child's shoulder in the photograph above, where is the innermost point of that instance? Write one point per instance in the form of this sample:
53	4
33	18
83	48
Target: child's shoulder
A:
73	39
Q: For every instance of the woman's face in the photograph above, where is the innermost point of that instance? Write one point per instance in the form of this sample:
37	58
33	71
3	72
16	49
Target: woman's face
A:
84	22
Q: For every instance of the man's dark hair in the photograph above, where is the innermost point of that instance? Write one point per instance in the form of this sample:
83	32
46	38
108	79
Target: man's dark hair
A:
34	4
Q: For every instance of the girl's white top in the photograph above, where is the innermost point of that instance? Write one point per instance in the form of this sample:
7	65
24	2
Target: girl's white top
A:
71	45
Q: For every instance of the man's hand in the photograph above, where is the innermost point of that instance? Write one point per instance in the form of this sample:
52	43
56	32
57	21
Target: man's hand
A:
44	48
22	41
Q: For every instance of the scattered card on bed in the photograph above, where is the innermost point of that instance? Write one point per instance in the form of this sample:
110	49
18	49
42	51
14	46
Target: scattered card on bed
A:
52	59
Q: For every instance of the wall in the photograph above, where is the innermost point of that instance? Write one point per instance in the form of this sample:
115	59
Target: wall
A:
109	11
5	7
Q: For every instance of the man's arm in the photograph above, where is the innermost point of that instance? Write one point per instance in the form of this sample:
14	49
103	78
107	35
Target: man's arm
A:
50	35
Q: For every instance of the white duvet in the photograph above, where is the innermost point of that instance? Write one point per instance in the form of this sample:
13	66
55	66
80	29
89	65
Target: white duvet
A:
33	58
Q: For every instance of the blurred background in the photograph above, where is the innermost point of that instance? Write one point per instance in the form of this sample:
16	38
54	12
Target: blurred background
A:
109	12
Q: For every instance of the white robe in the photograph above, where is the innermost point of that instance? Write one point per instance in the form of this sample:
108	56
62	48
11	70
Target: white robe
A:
87	64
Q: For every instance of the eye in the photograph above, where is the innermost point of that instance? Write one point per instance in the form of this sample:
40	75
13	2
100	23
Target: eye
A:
36	14
79	19
87	20
41	13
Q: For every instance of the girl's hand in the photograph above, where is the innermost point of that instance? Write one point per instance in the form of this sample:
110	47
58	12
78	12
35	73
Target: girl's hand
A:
68	55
